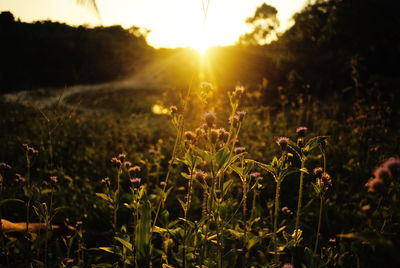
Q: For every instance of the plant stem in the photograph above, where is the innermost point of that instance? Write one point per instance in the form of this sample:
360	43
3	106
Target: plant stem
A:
319	223
278	188
188	199
303	160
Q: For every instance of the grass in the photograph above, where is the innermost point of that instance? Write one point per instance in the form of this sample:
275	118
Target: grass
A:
210	211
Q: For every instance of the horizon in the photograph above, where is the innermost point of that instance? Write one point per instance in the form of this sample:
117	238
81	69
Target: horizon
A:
173	24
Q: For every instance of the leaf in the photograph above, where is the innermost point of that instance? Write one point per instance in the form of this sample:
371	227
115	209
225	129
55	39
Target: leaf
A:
226	186
238	170
237	234
2	202
105	197
108	249
292	145
266	167
369	237
143	235
124	243
222	157
288	171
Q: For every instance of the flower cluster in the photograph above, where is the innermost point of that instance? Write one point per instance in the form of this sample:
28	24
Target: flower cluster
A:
383	174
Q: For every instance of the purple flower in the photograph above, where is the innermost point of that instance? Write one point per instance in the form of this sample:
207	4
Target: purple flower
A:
135	180
287	265
200	176
128	164
382	174
255	174
332	240
282	142
134	169
121	156
78	223
375	185
19	178
173	109
162	183
189	135
241	115
393	166
318	171
239	150
214	135
209	118
301	131
53	179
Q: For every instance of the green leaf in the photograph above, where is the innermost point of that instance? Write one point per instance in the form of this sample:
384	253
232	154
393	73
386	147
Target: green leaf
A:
108	249
143	235
124	243
288	171
105	197
227	185
222	157
2	202
237	234
266	167
292	145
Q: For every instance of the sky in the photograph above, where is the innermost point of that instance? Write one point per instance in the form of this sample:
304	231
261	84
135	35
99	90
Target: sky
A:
173	23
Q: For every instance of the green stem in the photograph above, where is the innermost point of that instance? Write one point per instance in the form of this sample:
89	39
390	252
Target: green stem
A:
303	160
278	188
244	260
188	199
319	223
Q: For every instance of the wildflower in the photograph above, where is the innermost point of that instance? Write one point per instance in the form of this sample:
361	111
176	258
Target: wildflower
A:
69	260
239	90
162	183
116	161
241	115
234	120
393	167
324	181
121	157
206	87
78	223
200	132
255	174
200	175
223	134
214	135
135	180
239	150
259	179
134	169
332	240
287	265
189	135
53	179
301	131
19	178
318	171
210	119
287	211
32	150
4	165
375	185
173	110
282	142
128	164
382	174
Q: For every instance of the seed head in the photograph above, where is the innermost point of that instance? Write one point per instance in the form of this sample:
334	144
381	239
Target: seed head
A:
223	134
200	132
301	131
210	119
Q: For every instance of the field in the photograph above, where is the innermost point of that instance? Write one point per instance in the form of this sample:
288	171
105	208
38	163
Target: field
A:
117	178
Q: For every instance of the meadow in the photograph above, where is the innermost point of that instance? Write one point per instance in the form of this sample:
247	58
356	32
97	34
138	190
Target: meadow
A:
282	154
199	177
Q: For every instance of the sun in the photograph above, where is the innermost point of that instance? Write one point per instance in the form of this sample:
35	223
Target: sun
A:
201	43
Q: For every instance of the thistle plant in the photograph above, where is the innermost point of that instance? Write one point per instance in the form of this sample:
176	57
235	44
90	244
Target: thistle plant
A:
279	169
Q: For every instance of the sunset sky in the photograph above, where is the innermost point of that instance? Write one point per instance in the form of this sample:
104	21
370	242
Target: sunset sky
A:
173	23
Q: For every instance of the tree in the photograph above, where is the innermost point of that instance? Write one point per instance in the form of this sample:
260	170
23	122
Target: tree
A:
264	24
